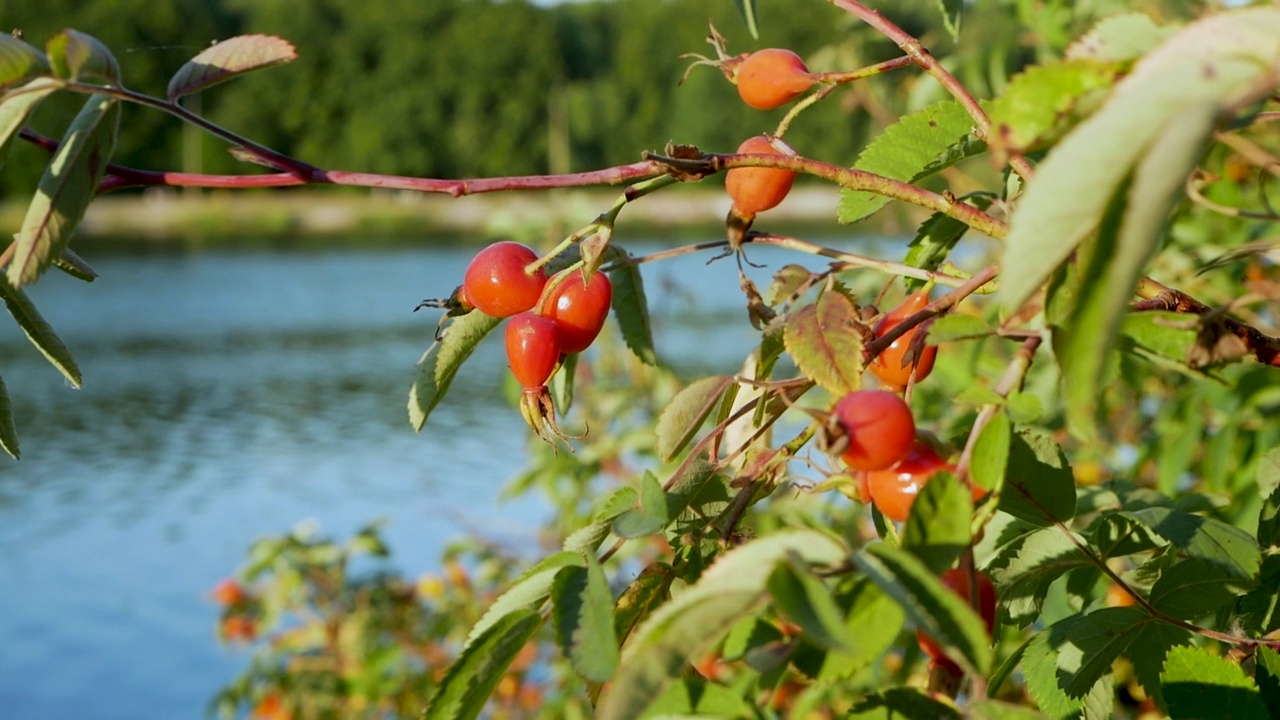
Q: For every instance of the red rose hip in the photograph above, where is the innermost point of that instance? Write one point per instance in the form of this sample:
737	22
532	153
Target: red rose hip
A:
496	282
533	349
579	309
878	426
772	77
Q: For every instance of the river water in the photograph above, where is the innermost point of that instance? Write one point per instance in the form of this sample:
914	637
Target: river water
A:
230	395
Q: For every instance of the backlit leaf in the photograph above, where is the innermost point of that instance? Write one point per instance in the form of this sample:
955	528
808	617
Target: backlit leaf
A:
1269	519
915	147
1025	567
805	599
990	458
1148	651
996	710
825	341
680	630
8	431
1120	38
69	184
1193	588
1198	684
1037	106
1166	334
684	415
73	55
874	619
526	594
934	240
648	591
227	59
440	363
631	309
39	332
583	615
1085	646
956	326
905	703
938	612
19	62
651	515
466	687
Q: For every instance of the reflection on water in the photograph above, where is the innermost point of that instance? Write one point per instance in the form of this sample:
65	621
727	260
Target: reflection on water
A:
229	396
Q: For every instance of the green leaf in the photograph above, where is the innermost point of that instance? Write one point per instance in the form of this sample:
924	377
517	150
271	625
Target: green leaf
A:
1039	103
1194	588
631	309
1025	567
439	364
1258	612
1040	671
16	107
902	703
75	266
747	8
1166	334
990	459
1269	520
952	11
1039	485
650	517
1120	38
466	687
731	589
874	618
1147	652
8	431
227	59
527	593
582	608
806	600
996	710
648	591
68	186
1198	684
937	527
935	610
1151	128
690	697
950	328
689	484
39	332
1119	258
1214	542
1267	674
683	416
1085	646
76	56
826	342
918	145
19	62
934	240
1269	472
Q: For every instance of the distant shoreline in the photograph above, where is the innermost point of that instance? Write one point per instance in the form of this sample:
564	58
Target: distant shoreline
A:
165	216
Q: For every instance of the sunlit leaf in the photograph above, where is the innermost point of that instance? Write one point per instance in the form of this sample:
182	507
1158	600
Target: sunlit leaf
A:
990	458
902	702
651	514
73	55
16	107
69	184
39	332
874	618
935	610
957	326
731	589
1085	646
1200	684
934	240
1025	567
440	363
825	340
8	430
1166	334
805	599
526	594
19	62
1193	588
1039	103
915	147
684	415
227	59
1147	653
466	687
647	592
1120	38
1039	485
631	308
996	710
583	615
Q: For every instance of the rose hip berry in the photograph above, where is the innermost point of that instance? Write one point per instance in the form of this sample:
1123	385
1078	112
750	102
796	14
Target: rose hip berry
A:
890	366
496	282
894	490
579	309
756	189
772	77
878	428
533	349
957	581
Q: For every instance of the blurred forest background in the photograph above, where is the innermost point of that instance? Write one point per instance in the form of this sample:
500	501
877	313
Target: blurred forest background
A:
465	88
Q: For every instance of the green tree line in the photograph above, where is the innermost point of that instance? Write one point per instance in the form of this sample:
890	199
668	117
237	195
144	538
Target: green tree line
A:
463	88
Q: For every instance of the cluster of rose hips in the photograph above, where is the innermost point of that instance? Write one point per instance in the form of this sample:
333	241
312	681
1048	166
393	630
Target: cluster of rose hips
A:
238	623
550	317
